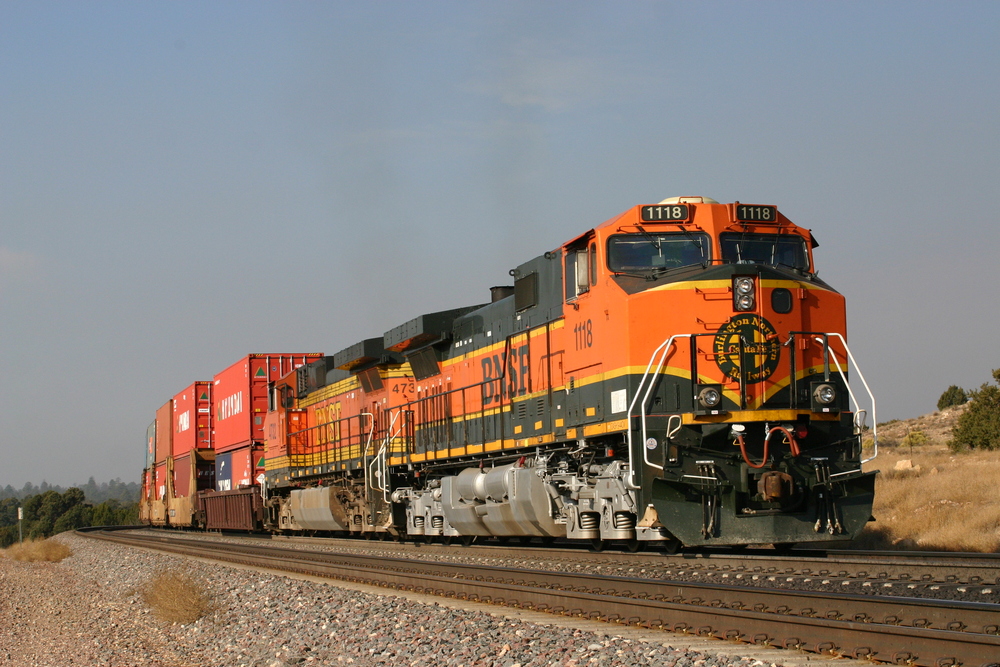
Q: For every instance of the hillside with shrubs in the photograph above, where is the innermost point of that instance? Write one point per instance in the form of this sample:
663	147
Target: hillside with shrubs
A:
939	476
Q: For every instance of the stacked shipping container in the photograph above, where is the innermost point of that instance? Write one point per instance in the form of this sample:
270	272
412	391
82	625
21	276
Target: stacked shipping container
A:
161	483
192	424
210	437
241	395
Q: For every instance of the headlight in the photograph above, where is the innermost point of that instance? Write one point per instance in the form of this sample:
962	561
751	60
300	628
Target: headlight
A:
744	298
709	397
825	394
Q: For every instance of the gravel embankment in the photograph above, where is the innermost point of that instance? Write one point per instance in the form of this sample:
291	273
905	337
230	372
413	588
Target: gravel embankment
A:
87	610
638	566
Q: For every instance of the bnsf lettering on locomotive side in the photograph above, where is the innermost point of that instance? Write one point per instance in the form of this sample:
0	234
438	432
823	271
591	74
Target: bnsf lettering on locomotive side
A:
524	370
487	380
328	418
496	386
512	383
328	413
231	405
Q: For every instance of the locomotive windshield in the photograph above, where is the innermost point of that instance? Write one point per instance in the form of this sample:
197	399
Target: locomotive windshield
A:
773	249
644	252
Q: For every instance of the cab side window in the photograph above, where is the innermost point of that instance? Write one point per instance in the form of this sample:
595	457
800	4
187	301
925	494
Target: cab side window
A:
577	272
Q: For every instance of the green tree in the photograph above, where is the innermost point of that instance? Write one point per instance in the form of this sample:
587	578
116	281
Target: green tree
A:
77	516
129	514
105	514
8	511
31	507
979	426
8	536
39	530
953	395
52	507
73	496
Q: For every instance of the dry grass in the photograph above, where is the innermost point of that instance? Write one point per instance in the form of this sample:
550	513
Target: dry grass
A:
38	550
177	597
930	498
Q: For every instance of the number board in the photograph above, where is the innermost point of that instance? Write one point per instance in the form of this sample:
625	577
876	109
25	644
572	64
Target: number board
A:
752	213
665	213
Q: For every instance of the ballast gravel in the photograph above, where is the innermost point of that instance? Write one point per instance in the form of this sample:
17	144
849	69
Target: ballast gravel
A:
87	610
649	568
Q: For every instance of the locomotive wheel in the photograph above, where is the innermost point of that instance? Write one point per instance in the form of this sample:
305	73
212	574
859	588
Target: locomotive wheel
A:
597	544
634	545
467	540
672	546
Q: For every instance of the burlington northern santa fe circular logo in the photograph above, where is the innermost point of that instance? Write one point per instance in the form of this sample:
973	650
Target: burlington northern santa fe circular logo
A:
761	349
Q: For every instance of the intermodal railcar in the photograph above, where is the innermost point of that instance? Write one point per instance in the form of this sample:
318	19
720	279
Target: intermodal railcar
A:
676	375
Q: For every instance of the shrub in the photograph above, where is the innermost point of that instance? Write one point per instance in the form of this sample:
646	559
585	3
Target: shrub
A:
177	597
953	395
979	425
39	550
888	441
914	438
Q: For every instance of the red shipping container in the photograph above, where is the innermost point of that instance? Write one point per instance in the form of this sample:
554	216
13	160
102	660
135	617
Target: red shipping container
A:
239	396
160	482
244	466
164	431
192	419
182	476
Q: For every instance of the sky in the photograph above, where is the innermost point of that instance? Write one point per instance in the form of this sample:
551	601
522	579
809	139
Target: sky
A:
183	183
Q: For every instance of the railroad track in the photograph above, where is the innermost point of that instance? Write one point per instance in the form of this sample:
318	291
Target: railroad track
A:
904	567
900	630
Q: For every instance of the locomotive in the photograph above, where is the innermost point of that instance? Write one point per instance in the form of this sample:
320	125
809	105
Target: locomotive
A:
677	375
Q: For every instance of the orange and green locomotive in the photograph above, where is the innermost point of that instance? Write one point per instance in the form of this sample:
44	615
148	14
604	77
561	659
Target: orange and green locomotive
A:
677	374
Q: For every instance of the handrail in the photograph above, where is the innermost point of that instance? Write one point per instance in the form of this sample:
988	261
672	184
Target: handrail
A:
364	452
662	350
851	393
379	462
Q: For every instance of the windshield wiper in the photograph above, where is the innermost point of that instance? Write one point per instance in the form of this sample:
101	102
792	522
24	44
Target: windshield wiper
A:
652	239
631	275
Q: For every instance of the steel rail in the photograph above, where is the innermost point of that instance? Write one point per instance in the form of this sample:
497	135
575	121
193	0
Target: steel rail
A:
903	630
882	566
902	566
